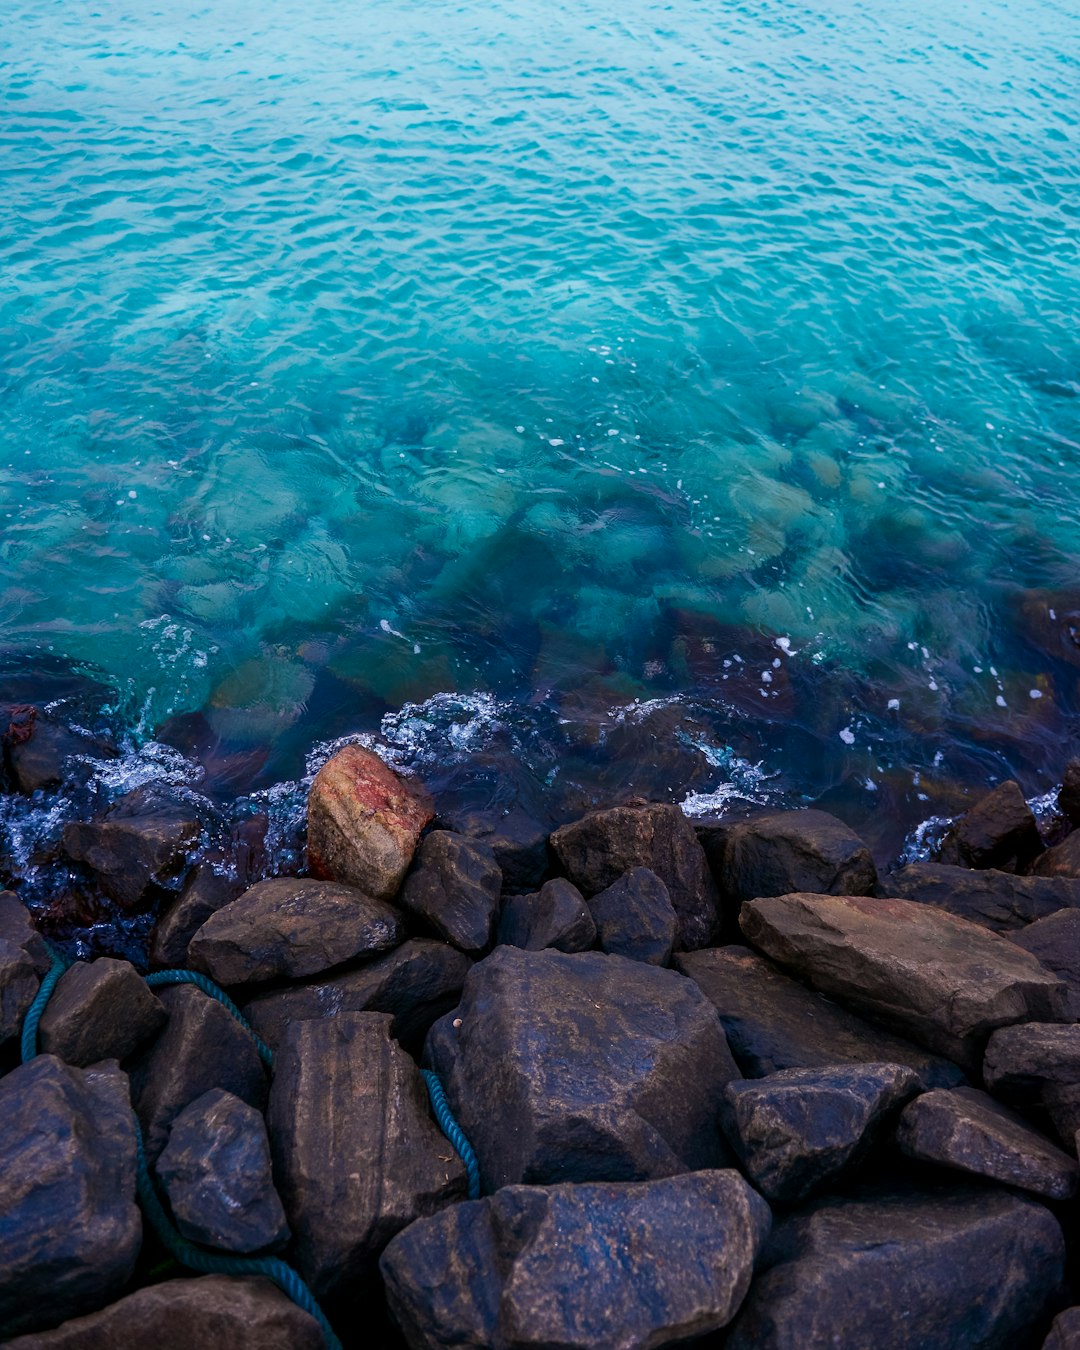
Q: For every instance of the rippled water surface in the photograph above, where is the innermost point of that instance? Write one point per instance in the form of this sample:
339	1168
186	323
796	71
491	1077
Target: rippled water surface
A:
696	386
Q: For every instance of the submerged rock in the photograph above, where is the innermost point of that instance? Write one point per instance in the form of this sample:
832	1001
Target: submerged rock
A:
454	887
100	1009
997	900
999	831
634	918
556	916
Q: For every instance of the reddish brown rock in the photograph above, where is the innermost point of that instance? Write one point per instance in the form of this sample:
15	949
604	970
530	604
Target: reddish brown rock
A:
364	822
999	831
1061	861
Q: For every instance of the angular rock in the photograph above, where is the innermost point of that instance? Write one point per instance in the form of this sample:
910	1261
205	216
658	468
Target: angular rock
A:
204	893
556	916
772	1022
357	1156
1062	861
237	1313
1038	1064
942	1268
100	1009
968	1130
1065	1332
454	887
1069	794
634	918
778	852
40	761
130	851
518	842
943	981
70	1230
216	1171
364	823
999	831
996	900
596	851
290	927
796	1131
590	1267
582	1067
18	988
201	1047
17	927
1055	943
417	982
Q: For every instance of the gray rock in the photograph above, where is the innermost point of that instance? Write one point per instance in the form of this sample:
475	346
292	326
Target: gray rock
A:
1055	943
201	1047
588	1267
100	1009
582	1067
1069	794
967	1130
70	1230
596	851
357	1156
996	900
634	918
417	982
999	831
518	842
290	927
772	1022
798	1130
216	1171
556	916
189	1314
454	886
1038	1064
1065	1332
943	1268
1061	861
129	852
941	980
203	894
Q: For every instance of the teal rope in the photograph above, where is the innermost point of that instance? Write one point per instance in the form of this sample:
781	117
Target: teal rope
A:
29	1045
453	1131
162	977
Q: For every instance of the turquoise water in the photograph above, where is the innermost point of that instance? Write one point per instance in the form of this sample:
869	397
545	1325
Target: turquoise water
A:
553	356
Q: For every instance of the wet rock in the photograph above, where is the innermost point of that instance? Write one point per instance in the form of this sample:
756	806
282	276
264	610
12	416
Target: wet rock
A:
518	842
214	1310
201	1047
634	918
356	1153
100	1009
1050	621
556	916
1038	1064
18	988
596	851
1069	794
582	1067
966	1129
772	1022
39	761
139	842
71	1231
997	900
417	982
454	888
216	1171
943	981
1065	1332
17	927
779	852
364	822
942	1268
203	894
1055	943
588	1267
796	1131
999	831
1063	860
289	927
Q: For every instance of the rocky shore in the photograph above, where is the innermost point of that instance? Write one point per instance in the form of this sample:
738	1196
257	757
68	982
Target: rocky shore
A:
727	1084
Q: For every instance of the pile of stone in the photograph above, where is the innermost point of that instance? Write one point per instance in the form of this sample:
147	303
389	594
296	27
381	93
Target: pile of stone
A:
724	1083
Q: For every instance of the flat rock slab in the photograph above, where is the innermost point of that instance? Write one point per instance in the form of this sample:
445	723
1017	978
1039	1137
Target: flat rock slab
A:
357	1156
290	927
772	1022
968	1130
1038	1064
999	831
100	1009
222	1311
454	887
70	1229
944	1268
996	900
796	1131
583	1067
634	918
591	1267
941	980
596	851
364	823
1055	943
555	916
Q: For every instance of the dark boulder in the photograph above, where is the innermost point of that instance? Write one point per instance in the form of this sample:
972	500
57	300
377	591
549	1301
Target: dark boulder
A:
454	887
1069	794
17	927
518	842
100	1009
596	851
70	1230
796	1131
999	831
968	1130
1065	1332
290	927
138	842
772	1022
996	900
23	958
583	1067
1055	942
634	918
216	1172
1062	861
203	894
1038	1065
589	1267
942	1268
357	1156
40	760
556	916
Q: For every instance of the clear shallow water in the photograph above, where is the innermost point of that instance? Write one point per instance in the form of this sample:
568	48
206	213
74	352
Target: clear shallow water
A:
552	358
